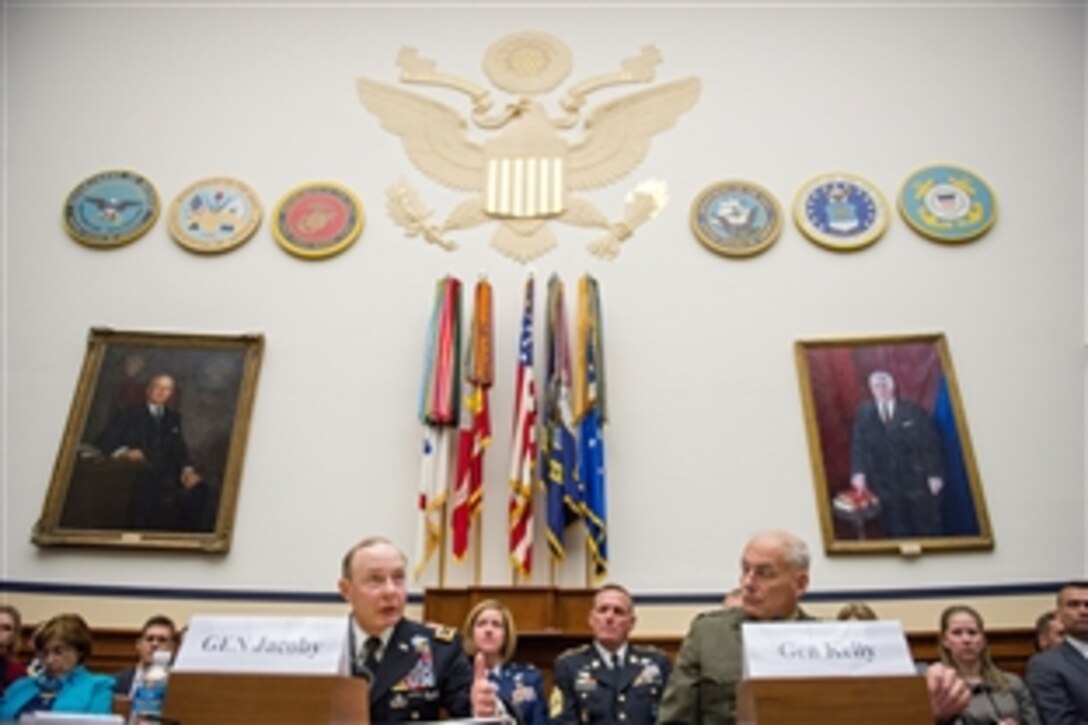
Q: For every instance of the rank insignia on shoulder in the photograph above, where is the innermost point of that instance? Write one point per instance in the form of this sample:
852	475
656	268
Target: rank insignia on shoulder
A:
580	649
444	634
555	703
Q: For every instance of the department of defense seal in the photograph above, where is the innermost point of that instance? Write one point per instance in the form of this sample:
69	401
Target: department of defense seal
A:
736	218
947	204
111	208
214	215
841	211
318	220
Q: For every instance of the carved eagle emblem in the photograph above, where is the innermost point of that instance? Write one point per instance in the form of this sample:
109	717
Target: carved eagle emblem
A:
526	173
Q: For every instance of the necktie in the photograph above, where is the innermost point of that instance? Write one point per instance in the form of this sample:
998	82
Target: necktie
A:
610	660
370	654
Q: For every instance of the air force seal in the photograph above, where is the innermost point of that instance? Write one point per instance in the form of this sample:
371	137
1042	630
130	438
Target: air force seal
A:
111	208
947	204
841	212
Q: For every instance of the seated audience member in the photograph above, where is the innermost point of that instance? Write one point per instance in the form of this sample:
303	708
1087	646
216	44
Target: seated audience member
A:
774	575
64	684
996	696
158	632
856	610
609	680
1058	677
1048	631
489	629
11	627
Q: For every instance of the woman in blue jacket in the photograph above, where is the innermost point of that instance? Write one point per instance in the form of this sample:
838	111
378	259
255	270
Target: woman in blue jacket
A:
489	628
64	684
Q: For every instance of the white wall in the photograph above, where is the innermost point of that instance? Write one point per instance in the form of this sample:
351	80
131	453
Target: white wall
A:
706	441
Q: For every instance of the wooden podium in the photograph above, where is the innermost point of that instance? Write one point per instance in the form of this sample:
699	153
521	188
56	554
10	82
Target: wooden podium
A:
197	698
834	701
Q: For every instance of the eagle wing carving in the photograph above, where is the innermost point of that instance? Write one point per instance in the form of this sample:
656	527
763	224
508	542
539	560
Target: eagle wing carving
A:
619	132
434	134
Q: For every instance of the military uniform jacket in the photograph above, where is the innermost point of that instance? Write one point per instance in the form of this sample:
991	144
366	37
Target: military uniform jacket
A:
586	691
521	688
422	671
702	689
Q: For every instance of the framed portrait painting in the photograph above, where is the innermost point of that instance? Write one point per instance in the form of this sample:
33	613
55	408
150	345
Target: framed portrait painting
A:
891	453
152	453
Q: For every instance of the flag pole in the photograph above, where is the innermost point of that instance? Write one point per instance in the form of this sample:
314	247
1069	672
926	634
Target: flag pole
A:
442	553
477	553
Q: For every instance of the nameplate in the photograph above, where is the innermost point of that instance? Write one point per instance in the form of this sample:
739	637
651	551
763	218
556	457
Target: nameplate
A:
825	649
272	645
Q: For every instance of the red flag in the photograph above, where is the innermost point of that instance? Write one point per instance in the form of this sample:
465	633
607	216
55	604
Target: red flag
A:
474	434
523	455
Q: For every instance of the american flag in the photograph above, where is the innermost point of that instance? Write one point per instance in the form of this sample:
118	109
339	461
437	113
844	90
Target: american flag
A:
523	456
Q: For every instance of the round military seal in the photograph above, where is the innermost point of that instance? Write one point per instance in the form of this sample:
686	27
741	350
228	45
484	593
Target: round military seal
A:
947	204
111	208
214	215
318	220
527	63
736	218
841	212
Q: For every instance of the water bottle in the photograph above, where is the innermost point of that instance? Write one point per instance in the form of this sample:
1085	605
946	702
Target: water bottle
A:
150	690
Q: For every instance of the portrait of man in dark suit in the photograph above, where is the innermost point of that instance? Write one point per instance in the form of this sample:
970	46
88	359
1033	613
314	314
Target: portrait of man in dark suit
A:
891	451
154	442
895	453
171	493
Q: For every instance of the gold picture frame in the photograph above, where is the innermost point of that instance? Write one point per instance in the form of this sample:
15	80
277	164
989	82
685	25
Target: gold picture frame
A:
152	453
892	459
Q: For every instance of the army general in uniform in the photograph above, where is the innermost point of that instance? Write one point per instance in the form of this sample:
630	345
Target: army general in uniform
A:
609	680
416	671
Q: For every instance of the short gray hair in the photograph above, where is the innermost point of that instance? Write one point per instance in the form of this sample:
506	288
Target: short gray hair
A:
794	550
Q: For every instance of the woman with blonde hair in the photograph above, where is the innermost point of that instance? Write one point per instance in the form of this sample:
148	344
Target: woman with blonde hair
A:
489	629
64	684
996	696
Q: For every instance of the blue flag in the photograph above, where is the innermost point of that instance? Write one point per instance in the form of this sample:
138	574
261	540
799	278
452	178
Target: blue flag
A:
591	471
559	451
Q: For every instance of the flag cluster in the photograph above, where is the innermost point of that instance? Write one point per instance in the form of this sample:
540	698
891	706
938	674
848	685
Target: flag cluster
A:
564	454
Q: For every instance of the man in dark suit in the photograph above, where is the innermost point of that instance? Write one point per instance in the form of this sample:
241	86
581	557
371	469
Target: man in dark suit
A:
158	632
1058	677
609	680
415	671
172	495
896	454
